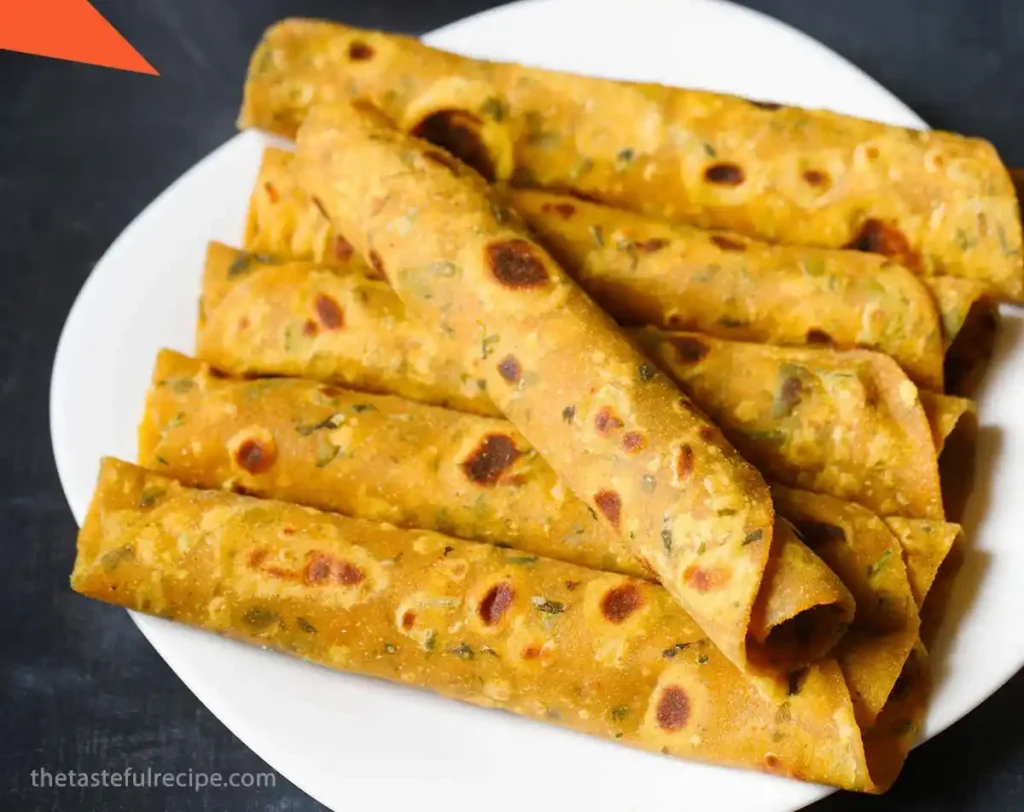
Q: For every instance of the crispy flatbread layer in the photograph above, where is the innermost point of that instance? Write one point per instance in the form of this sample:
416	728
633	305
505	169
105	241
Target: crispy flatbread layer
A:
597	652
555	364
938	203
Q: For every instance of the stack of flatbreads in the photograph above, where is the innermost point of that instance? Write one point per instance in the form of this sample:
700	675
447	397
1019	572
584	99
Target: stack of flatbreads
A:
637	410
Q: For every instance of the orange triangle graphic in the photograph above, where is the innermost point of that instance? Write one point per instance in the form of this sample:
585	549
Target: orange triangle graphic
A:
66	29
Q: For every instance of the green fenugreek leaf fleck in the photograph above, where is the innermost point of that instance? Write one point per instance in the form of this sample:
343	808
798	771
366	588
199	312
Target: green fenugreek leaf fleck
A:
674	650
523	560
240	265
362	407
1004	244
150	496
331	422
702	659
581	168
752	536
597	235
326	452
111	559
259	617
879	565
619	713
568	413
463	652
305	625
549	606
493	108
487	345
178	385
625	155
161	460
647	372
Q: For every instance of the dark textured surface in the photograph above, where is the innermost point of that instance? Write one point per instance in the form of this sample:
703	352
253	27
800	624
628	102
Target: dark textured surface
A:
83	149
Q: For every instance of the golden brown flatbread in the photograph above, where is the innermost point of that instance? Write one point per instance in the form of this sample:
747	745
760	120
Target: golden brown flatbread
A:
939	203
599	653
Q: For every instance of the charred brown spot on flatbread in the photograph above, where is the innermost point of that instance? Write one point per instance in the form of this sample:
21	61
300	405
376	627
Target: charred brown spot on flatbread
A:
673	709
634	441
320	206
310	328
788	396
509	369
814	533
495	603
724	174
689	350
818	336
610	504
377	263
257	456
878	237
531	653
324	568
706	579
607	421
619	603
563	210
458	132
708	433
243	324
650	246
515	264
765	105
727	243
359	51
257	557
342	249
441	159
684	462
271	191
331	316
817	178
213	372
495	455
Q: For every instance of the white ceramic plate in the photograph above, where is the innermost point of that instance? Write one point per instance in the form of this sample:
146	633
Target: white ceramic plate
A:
358	744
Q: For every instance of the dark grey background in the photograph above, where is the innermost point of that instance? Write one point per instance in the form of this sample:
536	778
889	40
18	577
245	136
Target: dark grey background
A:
83	149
